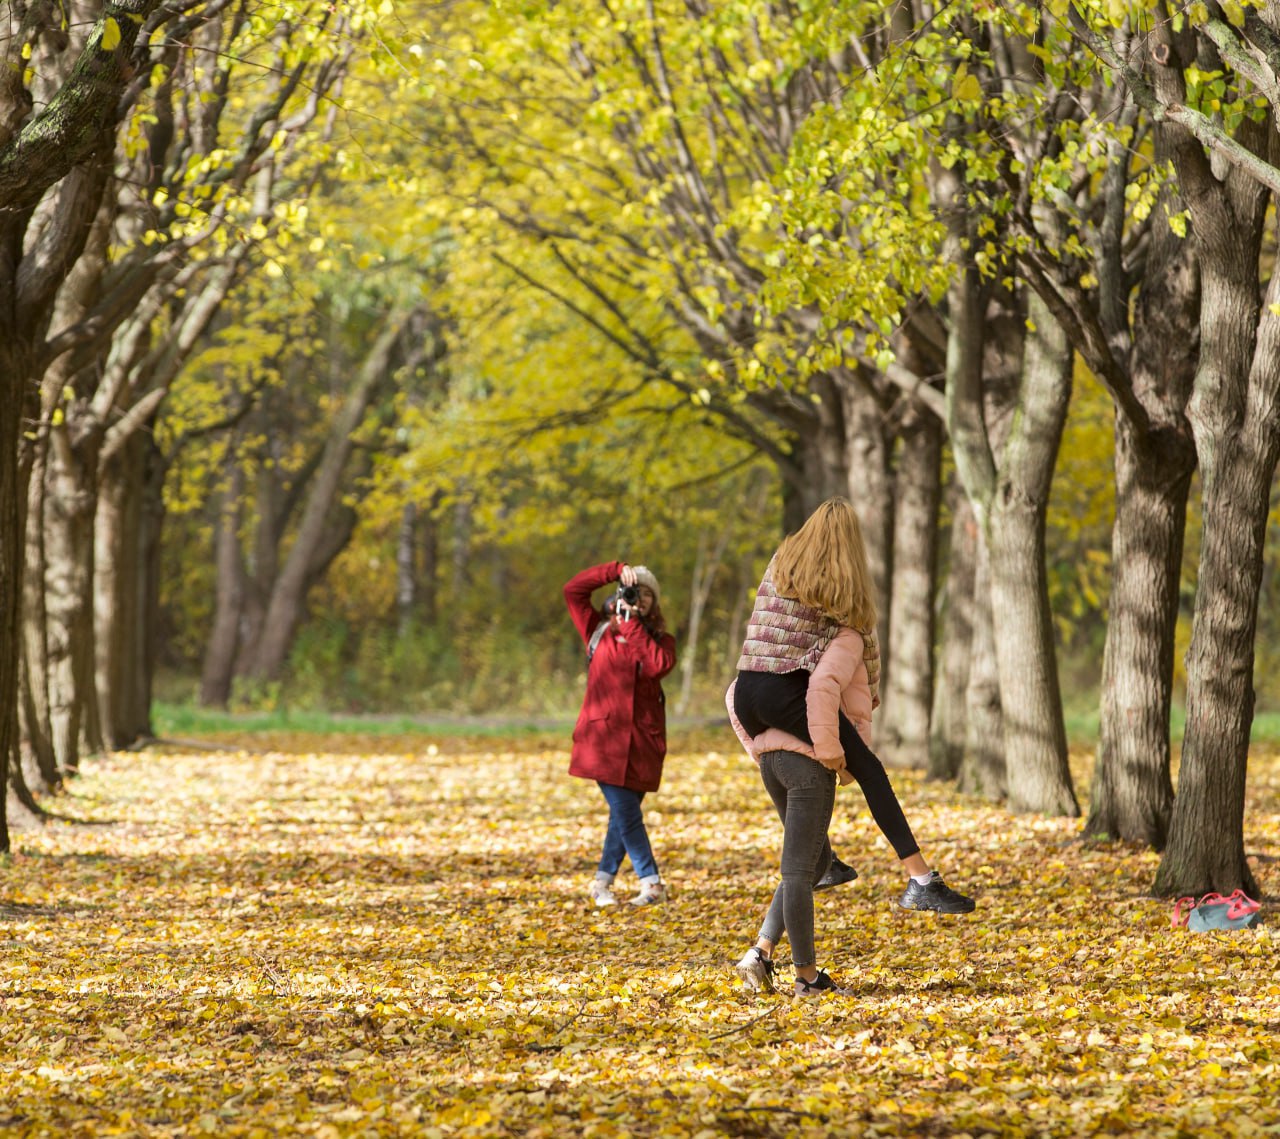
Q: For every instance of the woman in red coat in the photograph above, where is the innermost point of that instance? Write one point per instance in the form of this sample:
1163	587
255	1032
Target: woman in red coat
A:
620	739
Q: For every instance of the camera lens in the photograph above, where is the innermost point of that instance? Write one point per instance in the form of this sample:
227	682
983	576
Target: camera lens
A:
630	594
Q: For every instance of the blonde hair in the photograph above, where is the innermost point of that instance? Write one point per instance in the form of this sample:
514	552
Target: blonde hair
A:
824	564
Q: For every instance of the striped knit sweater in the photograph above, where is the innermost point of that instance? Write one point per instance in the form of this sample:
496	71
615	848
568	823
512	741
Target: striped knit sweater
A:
784	635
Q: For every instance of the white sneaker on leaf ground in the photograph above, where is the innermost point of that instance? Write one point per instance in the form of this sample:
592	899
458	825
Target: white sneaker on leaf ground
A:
651	893
602	893
756	971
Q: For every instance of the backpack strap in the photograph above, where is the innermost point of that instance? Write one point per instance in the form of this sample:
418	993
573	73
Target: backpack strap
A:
595	638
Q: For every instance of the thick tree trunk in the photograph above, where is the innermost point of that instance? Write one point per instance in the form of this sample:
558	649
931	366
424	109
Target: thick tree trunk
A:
1206	838
37	745
870	489
948	723
982	771
11	534
1233	410
907	694
1233	413
113	568
123	625
818	467
145	639
1132	794
1131	797
1035	736
70	503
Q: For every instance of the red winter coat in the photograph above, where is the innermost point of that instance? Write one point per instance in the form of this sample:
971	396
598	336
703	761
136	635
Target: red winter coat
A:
621	735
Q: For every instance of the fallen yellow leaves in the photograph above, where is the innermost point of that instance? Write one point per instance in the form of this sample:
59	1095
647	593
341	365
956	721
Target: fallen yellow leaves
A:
322	940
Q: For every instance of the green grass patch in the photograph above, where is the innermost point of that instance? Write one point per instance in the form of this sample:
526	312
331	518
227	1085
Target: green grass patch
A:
171	720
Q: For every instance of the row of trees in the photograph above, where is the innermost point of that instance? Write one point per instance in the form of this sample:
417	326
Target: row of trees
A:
845	234
153	158
266	268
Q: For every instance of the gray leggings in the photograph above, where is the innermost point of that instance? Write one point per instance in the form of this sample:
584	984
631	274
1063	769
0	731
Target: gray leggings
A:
804	792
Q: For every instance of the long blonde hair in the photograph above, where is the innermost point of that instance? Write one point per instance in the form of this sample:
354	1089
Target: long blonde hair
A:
824	564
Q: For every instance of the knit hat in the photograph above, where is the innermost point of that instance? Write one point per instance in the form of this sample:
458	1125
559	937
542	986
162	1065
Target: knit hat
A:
644	576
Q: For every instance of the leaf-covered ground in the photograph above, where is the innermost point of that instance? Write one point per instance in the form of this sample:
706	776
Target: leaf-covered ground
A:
373	938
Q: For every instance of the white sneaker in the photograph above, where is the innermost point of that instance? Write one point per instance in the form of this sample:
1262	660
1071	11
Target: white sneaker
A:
602	893
650	894
756	971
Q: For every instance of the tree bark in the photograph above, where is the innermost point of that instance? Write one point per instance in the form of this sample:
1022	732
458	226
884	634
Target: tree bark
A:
948	724
906	696
228	591
870	488
124	574
1234	409
706	569
983	771
39	759
1131	797
68	581
1035	736
406	569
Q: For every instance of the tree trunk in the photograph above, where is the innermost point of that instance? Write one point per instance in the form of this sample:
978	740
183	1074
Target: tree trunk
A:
705	570
11	534
122	579
69	524
906	697
1206	838
1234	409
1035	737
113	569
982	771
744	602
1233	413
40	761
870	489
1131	797
406	570
819	444
948	722
228	593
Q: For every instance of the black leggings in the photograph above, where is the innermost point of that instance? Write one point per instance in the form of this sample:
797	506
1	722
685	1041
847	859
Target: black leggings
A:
768	700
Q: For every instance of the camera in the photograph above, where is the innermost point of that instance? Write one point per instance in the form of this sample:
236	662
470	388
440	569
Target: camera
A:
628	593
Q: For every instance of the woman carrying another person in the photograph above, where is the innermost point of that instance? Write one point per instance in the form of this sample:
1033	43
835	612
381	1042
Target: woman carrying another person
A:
620	740
805	678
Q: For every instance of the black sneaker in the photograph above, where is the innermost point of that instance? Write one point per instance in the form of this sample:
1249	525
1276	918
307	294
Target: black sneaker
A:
937	895
819	986
838	873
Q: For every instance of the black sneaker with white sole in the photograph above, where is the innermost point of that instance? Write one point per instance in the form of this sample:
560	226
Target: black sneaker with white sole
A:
820	986
838	873
936	896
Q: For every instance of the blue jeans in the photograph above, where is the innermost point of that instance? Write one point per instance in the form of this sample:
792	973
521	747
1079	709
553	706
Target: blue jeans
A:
626	835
